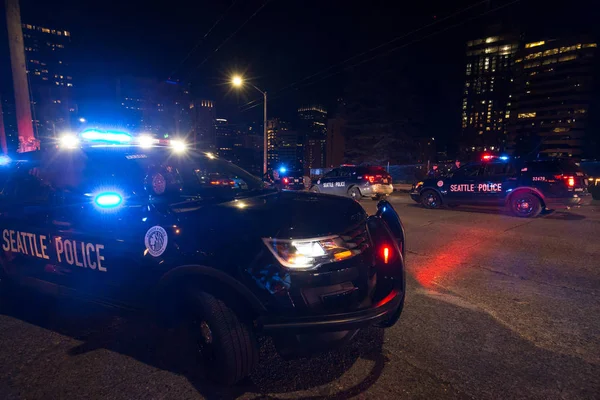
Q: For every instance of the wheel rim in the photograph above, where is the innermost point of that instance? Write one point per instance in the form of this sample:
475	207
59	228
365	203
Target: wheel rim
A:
524	206
353	194
204	341
431	200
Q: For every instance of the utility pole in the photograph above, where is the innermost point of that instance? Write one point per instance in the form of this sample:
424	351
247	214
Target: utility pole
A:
27	140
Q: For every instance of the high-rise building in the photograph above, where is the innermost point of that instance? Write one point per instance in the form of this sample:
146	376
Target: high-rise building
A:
335	143
228	139
273	127
204	116
313	128
156	107
50	78
486	96
551	97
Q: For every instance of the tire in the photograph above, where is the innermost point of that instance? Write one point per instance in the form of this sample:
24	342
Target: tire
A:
354	192
431	199
596	193
525	205
226	345
314	189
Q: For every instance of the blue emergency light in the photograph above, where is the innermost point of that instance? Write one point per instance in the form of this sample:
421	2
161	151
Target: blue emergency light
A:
282	170
4	160
96	135
108	200
504	158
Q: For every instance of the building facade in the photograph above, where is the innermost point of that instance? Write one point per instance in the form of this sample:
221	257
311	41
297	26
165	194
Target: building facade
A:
50	79
487	93
312	126
335	142
551	99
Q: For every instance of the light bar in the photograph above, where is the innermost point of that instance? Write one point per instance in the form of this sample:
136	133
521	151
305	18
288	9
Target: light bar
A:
68	141
106	136
108	200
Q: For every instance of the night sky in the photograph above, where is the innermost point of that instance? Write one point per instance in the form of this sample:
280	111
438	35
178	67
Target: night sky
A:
289	40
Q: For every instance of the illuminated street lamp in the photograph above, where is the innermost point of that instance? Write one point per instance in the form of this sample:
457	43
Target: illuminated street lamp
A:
237	81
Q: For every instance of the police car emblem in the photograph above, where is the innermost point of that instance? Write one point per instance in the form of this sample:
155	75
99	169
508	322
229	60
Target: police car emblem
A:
156	240
440	183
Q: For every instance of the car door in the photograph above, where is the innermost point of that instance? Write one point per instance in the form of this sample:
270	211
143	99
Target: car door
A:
98	250
495	180
25	203
462	185
328	180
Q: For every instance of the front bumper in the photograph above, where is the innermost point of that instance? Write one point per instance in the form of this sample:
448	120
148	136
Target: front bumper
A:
348	321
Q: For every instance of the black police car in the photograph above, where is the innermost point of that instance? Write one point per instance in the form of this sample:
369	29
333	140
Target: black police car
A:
526	188
356	182
203	242
292	180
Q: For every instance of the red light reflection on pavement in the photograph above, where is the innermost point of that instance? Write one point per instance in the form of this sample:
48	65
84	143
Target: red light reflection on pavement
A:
445	262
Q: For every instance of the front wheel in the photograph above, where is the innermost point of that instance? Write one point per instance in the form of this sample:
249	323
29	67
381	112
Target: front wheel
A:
525	205
314	189
226	345
431	199
354	192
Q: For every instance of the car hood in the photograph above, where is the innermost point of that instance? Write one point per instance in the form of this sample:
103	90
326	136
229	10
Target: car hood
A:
279	215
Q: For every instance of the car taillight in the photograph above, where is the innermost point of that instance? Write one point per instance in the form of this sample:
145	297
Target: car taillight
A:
370	178
568	179
286	180
385	254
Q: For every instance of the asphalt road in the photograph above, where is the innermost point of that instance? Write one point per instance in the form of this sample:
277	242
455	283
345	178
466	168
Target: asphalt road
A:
497	307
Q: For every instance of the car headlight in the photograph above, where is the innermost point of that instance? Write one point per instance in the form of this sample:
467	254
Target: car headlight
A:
305	254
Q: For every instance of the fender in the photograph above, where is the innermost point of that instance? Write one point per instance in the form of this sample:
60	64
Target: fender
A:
527	189
222	277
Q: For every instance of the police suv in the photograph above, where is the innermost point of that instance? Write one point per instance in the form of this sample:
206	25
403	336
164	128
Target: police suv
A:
355	182
145	224
525	188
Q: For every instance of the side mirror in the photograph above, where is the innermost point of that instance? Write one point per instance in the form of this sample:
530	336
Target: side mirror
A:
386	212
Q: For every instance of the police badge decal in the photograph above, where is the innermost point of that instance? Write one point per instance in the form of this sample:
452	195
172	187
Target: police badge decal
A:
156	240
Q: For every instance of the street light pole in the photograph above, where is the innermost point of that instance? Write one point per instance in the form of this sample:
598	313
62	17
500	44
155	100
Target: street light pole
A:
265	135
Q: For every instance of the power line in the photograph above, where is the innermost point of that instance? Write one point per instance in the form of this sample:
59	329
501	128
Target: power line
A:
203	38
230	36
377	47
278	93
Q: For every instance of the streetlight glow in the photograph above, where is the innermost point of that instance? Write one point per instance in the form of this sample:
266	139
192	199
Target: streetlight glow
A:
82	120
237	81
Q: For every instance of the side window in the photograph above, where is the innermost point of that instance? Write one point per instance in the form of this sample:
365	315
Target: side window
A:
468	171
345	172
27	188
496	170
332	174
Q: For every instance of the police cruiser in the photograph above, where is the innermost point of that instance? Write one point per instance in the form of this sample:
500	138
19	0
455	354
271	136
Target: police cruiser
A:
355	182
140	223
525	188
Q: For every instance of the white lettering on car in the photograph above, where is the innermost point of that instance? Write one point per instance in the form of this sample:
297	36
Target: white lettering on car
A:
72	252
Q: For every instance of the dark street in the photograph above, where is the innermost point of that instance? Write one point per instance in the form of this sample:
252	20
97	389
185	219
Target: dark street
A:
497	307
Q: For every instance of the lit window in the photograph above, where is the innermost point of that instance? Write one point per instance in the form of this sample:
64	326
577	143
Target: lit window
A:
535	44
69	84
550	52
533	55
45	30
491	39
590	45
526	115
567	58
67	33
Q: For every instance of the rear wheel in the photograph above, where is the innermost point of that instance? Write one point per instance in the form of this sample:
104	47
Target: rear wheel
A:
225	345
354	192
525	205
431	199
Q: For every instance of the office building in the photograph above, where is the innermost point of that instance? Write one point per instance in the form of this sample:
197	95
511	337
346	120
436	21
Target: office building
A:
313	128
204	117
50	79
335	142
551	99
486	96
228	140
160	108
